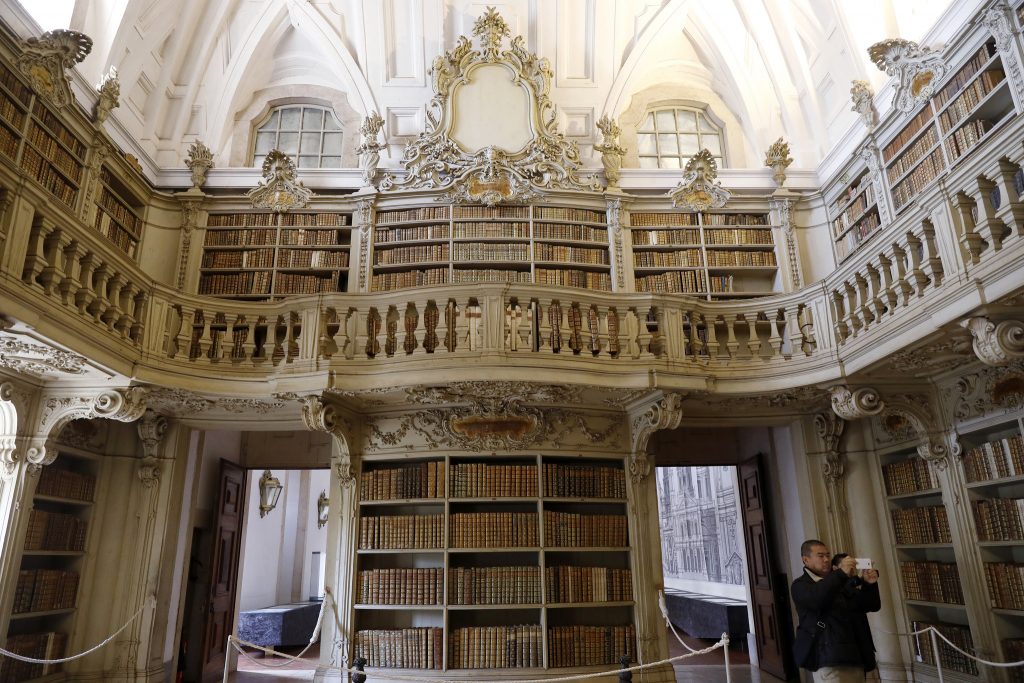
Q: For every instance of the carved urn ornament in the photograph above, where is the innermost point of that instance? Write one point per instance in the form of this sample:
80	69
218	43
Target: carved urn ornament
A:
915	68
491	133
109	90
280	191
777	158
370	147
699	190
610	149
44	60
199	162
863	98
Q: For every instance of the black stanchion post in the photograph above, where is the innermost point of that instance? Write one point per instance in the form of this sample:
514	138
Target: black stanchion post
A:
625	676
359	676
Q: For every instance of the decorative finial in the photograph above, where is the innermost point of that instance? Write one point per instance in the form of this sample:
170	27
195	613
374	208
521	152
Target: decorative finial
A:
777	158
109	89
199	161
698	190
281	191
863	99
45	58
490	28
610	149
915	68
370	147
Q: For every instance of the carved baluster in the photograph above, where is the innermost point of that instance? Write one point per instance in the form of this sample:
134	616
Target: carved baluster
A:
276	336
543	325
124	322
866	308
631	325
69	286
138	326
328	324
412	321
987	223
182	334
838	302
1011	211
791	332
113	311
904	278
874	290
53	275
613	325
732	342
711	326
776	324
805	318
391	332
35	257
888	297
970	239
643	315
86	292
99	303
431	318
260	333
199	345
558	324
243	340
853	321
293	349
218	328
932	263
915	250
372	326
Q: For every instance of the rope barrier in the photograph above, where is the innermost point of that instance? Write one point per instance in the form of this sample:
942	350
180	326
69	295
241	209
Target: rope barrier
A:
289	658
149	604
1005	665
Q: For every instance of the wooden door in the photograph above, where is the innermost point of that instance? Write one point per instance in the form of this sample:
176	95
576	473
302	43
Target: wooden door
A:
224	570
771	630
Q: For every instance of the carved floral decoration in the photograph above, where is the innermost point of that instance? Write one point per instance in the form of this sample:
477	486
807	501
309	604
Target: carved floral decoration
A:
370	147
109	91
489	175
699	190
916	69
44	60
777	158
199	162
863	98
35	359
610	149
280	191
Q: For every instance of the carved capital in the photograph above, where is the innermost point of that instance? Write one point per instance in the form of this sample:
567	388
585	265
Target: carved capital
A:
658	411
856	404
996	343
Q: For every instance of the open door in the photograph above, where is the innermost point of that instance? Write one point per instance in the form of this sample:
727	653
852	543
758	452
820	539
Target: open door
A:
771	622
224	577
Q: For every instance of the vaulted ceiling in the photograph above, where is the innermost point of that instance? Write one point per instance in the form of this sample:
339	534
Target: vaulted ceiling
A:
201	68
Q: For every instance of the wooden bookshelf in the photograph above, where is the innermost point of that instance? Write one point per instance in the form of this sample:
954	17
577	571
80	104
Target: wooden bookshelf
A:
713	255
551	245
118	215
493	562
46	592
266	255
854	214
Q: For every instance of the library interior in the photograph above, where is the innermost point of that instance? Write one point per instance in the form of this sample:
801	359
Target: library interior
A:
512	340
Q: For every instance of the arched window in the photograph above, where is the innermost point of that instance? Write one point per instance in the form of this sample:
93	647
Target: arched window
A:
309	134
669	136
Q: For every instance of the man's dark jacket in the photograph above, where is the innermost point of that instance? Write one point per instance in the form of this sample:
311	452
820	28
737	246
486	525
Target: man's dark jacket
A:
840	604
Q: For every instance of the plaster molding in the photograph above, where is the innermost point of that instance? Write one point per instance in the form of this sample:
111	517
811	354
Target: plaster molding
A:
151	428
916	69
699	190
123	405
996	344
45	60
370	147
38	360
325	416
281	191
656	412
935	445
613	210
989	390
829	428
855	404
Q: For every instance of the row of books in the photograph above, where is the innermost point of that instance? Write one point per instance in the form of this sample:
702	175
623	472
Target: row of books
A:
590	645
741	258
15	86
249	258
383	282
855	211
999	519
401	531
948	657
578	233
9	143
570	529
492	230
491	251
41	590
562	213
55	531
496	647
493	530
314	238
424	586
662	220
47	145
421	253
494	586
734	219
491	275
122	213
583	481
314	220
254	282
684	258
995	460
676	281
410	480
912	185
46	117
684	237
913	154
587	584
738	237
479	480
406	648
240	220
48	645
966	137
1005	584
418	232
302	283
558	252
963	76
472	211
923	118
970	98
863	182
424	213
239	238
63	483
720	284
932	582
120	237
907	476
47	176
921	525
583	279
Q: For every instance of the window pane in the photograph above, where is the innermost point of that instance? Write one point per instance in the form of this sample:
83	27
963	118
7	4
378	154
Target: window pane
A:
307	162
290	118
288	143
713	143
330	162
648	162
666	120
670	162
271	123
645	144
264	143
687	120
707	126
688	144
667	144
332	143
331	122
312	119
310	143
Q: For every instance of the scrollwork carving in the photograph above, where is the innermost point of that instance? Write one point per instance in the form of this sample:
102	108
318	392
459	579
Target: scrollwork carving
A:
45	59
996	343
917	70
151	427
856	404
660	411
280	191
36	359
699	190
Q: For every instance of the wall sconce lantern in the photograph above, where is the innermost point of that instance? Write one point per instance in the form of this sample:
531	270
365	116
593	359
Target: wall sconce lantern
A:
270	491
321	510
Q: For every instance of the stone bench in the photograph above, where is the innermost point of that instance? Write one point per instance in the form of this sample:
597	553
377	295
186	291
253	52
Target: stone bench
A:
280	625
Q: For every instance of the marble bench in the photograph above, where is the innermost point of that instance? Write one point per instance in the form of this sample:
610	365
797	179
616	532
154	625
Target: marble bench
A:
280	625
